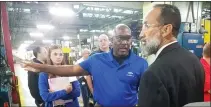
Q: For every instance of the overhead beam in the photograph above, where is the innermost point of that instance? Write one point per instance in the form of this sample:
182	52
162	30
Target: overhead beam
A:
122	20
73	36
43	17
33	6
126	5
129	5
43	8
62	26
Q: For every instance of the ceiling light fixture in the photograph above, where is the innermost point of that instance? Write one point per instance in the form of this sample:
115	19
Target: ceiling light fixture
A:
128	12
46	27
94	5
60	11
47	41
76	6
26	10
66	37
83	30
36	34
28	42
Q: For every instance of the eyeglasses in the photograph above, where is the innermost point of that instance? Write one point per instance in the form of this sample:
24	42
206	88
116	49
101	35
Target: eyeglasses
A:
146	25
121	38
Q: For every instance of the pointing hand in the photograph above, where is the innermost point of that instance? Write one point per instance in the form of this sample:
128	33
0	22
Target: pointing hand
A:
29	66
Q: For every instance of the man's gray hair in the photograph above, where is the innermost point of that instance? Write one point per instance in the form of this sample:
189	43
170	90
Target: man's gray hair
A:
85	50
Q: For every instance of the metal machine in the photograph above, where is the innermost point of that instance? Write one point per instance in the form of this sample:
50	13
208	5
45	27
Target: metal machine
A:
5	80
190	39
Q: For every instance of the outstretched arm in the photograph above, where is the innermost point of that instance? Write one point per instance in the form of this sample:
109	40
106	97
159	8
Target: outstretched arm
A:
60	70
83	68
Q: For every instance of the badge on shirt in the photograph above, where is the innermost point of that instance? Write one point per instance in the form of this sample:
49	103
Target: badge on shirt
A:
130	74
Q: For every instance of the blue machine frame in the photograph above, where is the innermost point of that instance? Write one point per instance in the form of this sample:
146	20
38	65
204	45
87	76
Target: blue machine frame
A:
191	41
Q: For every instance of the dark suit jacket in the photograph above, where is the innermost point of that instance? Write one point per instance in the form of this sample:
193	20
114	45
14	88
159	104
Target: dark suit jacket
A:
175	78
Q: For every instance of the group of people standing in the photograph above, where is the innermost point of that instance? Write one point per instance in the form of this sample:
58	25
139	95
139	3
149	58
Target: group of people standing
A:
118	78
39	82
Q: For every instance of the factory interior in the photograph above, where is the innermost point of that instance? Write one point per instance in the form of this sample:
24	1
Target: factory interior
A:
76	26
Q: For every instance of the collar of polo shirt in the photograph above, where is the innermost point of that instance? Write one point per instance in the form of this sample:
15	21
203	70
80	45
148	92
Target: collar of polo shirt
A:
111	58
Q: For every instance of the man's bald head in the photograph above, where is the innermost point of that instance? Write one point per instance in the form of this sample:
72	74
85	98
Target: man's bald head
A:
103	36
85	53
121	29
121	40
206	50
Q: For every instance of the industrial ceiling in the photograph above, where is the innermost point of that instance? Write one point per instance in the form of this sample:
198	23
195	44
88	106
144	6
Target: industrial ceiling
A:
87	19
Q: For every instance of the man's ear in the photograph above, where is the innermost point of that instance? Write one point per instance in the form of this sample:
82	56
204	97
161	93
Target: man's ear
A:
111	41
166	30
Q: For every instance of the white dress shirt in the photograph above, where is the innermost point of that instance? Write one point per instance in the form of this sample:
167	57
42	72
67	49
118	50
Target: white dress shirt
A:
150	59
164	46
79	61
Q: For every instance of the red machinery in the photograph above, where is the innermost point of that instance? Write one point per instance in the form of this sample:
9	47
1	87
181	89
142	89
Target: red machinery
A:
7	45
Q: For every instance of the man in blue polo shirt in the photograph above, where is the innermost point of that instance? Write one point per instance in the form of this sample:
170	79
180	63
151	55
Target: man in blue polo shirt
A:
115	74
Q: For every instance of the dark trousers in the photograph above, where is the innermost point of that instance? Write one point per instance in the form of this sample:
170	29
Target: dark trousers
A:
39	102
60	106
84	91
3	98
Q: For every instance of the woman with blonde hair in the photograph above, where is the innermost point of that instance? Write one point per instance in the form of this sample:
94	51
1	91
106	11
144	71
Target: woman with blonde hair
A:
66	97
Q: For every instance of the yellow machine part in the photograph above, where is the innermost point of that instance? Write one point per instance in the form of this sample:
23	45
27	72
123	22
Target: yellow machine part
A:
66	50
206	24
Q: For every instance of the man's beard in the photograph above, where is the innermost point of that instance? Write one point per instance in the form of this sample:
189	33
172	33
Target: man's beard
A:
151	46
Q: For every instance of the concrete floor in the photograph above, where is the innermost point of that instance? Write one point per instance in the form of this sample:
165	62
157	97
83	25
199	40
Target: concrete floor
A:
25	96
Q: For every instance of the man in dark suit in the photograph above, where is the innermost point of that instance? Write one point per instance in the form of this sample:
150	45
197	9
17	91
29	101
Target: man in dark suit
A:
176	77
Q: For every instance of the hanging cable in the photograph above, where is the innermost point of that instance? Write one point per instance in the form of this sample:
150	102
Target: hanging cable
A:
188	11
197	23
192	12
